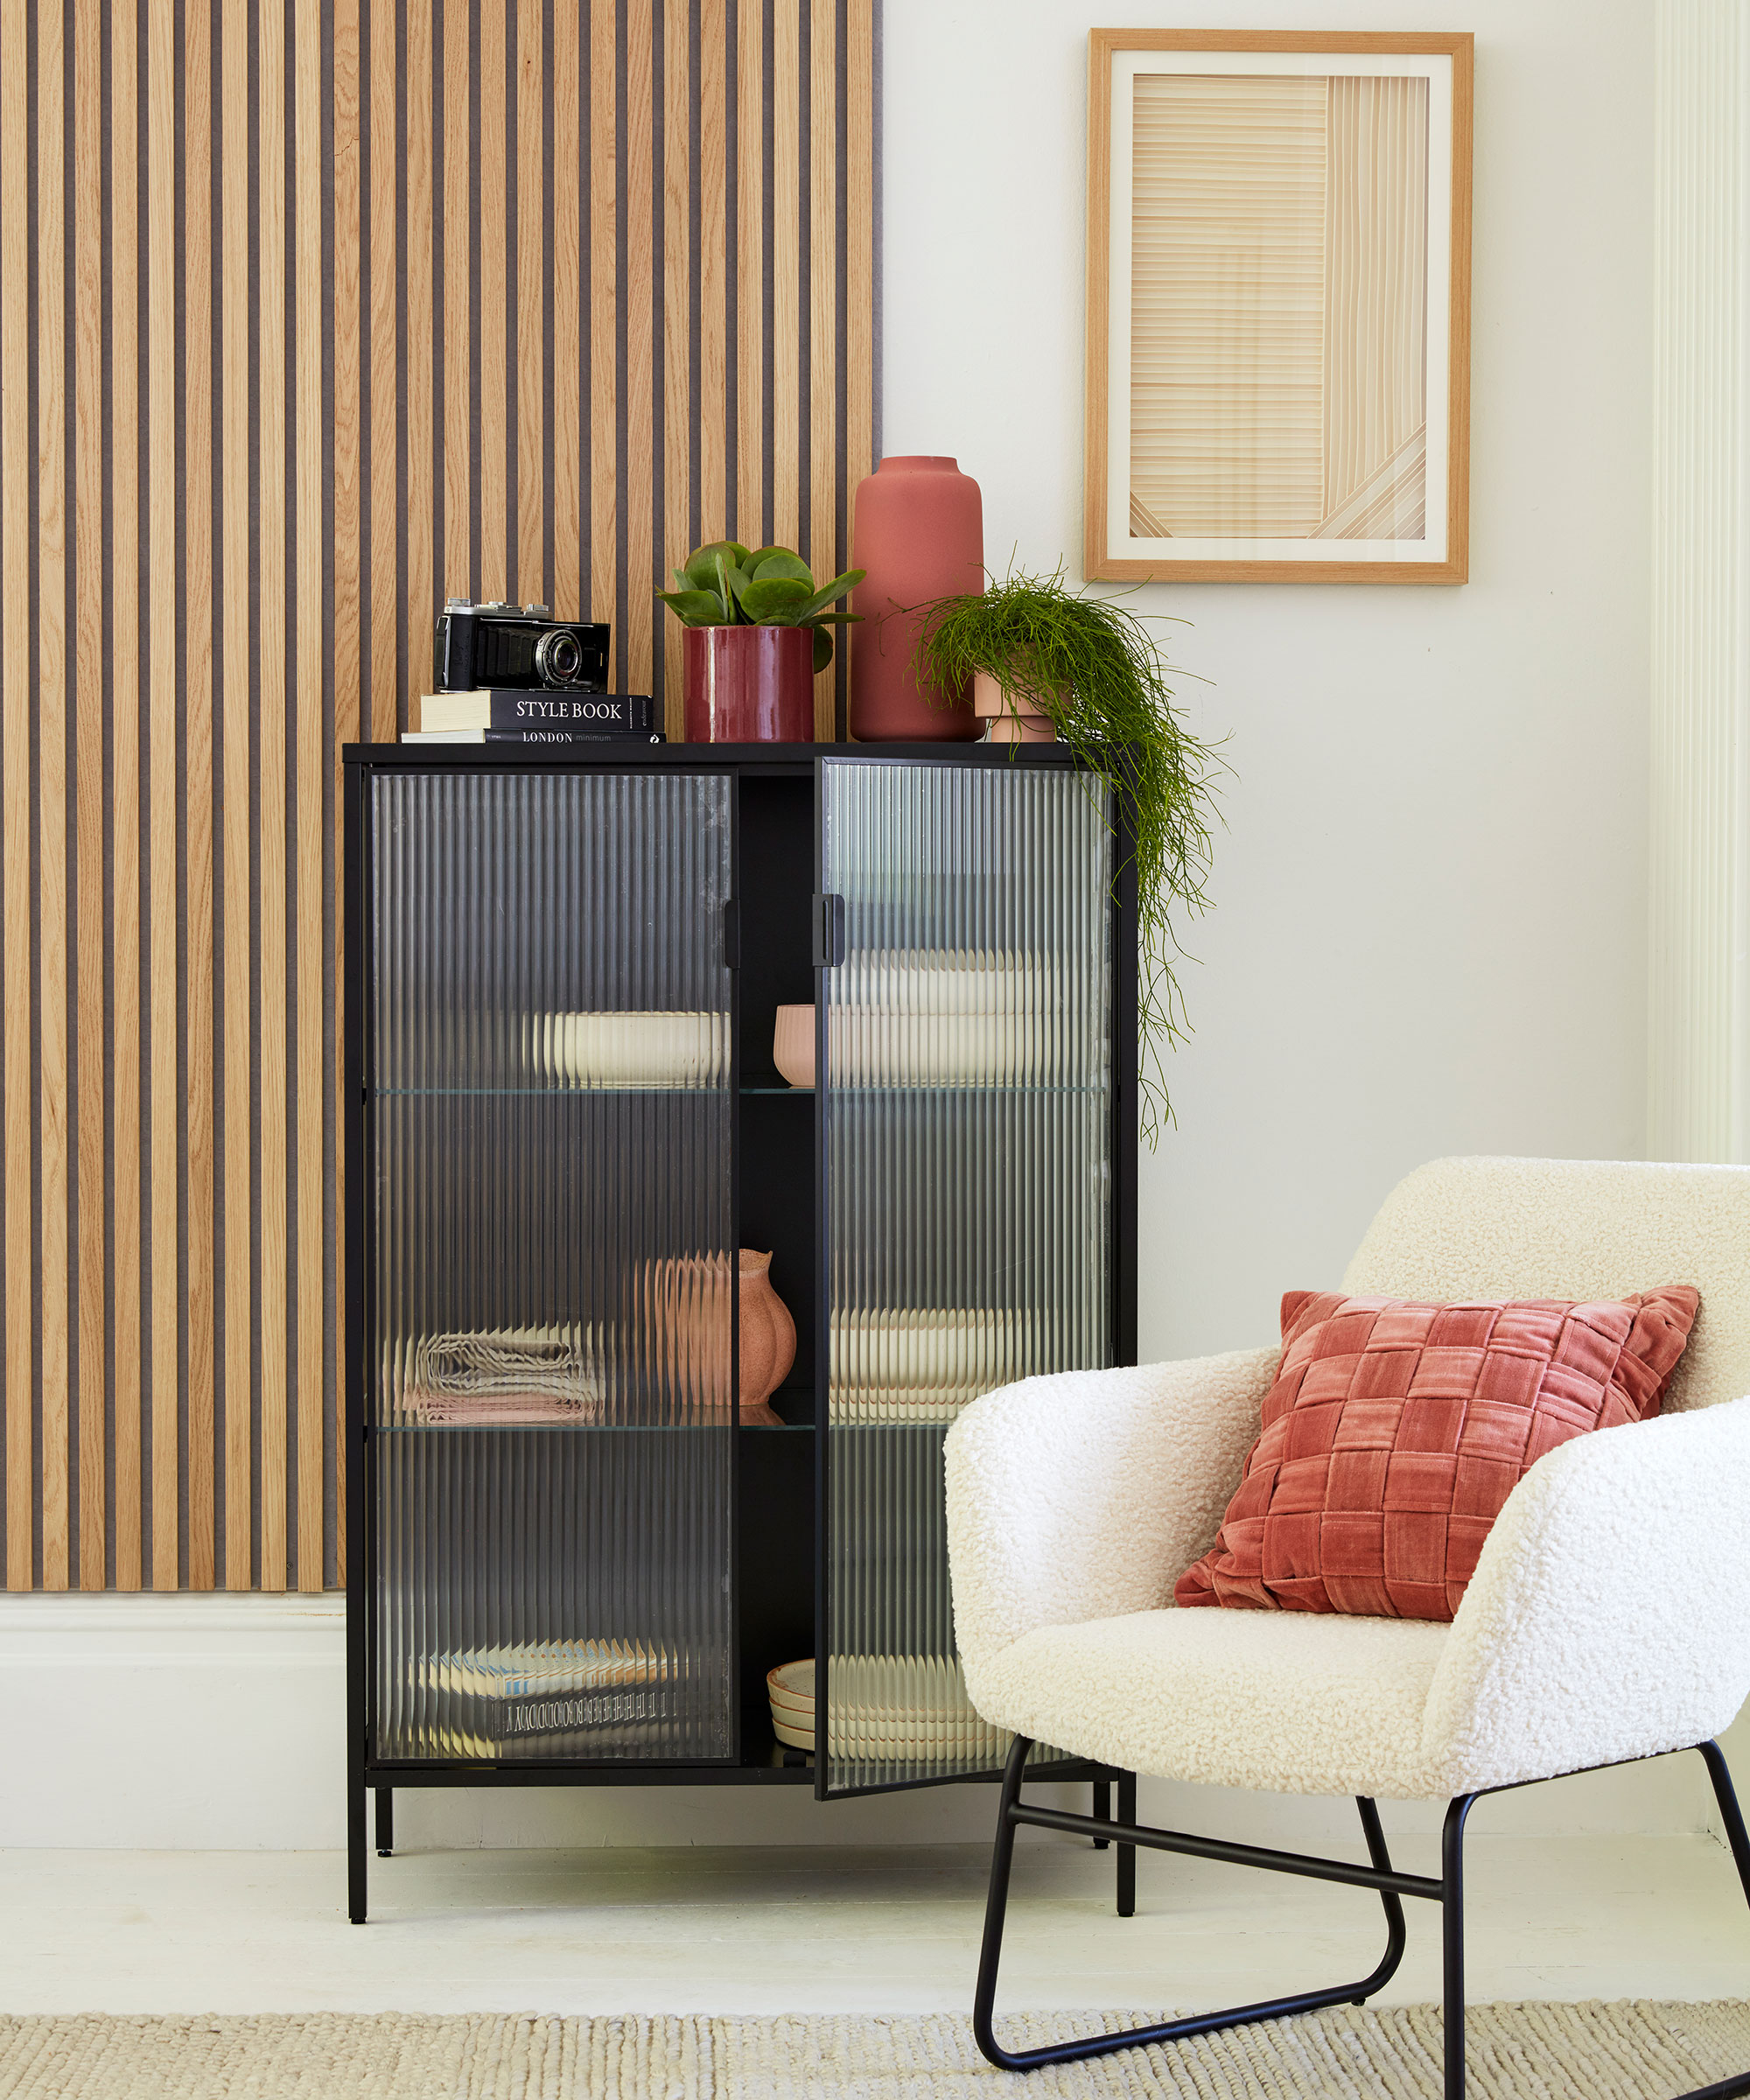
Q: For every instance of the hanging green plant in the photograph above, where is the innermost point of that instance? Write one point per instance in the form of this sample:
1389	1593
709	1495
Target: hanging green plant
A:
725	584
1093	667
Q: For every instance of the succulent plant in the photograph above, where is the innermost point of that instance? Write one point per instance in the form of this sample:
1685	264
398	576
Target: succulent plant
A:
725	584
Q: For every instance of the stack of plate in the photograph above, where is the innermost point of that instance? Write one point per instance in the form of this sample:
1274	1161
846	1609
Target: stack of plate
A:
922	1364
887	1709
630	1051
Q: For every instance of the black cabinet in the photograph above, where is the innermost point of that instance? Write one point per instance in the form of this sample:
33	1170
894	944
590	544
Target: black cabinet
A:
571	1557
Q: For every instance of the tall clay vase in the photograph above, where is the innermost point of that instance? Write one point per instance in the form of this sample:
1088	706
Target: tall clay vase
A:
749	685
918	531
769	1341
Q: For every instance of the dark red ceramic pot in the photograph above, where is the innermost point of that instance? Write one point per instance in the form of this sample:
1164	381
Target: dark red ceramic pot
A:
750	685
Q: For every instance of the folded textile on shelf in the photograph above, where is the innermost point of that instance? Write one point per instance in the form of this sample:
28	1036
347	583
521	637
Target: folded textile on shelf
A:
506	1376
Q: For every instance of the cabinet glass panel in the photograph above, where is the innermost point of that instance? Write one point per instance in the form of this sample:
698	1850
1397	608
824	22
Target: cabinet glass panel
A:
550	1111
966	1121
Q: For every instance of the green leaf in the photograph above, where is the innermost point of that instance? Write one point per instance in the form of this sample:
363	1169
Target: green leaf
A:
775	601
771	563
737	580
822	650
702	563
836	619
696	608
835	589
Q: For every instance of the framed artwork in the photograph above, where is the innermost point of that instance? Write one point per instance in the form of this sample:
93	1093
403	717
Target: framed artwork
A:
1279	306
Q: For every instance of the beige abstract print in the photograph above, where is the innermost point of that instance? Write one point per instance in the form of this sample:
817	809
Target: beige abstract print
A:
1280	293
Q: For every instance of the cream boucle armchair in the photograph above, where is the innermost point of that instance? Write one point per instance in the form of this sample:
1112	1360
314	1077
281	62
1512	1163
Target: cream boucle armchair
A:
1608	1618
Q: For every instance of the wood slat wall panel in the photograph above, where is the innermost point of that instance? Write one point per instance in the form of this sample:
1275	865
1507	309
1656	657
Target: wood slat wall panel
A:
310	318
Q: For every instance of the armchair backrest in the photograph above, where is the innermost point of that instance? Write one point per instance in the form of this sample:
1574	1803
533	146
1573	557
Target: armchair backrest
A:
1581	1229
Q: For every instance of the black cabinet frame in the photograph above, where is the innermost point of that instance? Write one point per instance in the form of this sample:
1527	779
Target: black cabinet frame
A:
773	1469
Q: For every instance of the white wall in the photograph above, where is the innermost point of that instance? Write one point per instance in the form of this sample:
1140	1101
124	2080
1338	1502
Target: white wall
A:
1429	927
1430	901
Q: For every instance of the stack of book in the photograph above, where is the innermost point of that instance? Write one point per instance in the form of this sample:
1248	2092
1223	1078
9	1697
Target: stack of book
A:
531	719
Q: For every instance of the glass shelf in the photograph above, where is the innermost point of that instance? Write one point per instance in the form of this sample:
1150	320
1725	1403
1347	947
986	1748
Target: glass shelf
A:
931	1088
580	1429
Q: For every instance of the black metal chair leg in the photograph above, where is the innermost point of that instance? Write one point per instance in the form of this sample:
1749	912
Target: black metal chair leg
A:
1727	1794
1103	1808
385	1796
996	1909
1452	1944
1127	1853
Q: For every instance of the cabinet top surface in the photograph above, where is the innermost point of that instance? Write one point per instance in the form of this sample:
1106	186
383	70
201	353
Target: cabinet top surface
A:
730	758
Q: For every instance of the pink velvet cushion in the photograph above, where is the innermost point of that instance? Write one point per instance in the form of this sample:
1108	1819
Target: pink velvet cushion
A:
1394	1432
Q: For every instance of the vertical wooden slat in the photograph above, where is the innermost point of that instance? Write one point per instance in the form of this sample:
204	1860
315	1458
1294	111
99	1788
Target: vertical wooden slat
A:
458	416
51	839
237	1284
787	290
604	326
823	380
494	319
571	597
270	775
162	775
346	456
857	350
200	1194
124	762
715	500
640	377
15	753
385	356
416	380
90	787
132	829
749	274
677	345
531	297
312	700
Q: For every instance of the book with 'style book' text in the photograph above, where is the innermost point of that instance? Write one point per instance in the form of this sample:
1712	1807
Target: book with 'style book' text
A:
511	713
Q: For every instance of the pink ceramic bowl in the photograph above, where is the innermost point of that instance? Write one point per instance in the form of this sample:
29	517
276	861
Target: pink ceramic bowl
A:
793	1045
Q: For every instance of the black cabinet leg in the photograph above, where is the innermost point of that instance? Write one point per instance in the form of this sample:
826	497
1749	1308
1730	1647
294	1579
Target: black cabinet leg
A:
357	1867
1127	1853
385	1796
1103	1808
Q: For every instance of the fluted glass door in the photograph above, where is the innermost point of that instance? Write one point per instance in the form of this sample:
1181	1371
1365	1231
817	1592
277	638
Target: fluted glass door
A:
964	1011
552	1421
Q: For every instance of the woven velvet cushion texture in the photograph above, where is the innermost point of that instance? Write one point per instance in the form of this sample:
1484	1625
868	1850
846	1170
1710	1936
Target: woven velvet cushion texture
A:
1394	1432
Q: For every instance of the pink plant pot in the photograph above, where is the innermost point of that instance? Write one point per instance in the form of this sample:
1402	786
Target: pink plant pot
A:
918	531
749	685
1007	725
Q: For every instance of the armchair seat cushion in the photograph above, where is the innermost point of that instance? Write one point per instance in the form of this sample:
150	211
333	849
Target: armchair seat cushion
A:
1287	1703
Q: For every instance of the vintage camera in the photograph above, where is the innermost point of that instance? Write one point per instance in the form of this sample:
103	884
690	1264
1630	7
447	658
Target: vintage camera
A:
496	647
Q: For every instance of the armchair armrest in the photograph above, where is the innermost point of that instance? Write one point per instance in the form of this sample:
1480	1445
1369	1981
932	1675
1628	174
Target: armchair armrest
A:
1085	1494
1609	1616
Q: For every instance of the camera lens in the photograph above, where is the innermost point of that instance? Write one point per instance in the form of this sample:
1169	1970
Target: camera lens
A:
558	661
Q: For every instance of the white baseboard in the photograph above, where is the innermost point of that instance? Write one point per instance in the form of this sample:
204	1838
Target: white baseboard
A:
218	1723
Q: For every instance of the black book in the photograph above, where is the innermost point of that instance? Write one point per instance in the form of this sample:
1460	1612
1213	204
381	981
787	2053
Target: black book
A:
541	739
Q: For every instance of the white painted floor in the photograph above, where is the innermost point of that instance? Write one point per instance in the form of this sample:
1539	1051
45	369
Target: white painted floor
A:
788	1929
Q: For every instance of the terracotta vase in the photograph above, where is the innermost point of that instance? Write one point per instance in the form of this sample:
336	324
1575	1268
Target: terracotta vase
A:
768	1340
1006	724
918	531
749	685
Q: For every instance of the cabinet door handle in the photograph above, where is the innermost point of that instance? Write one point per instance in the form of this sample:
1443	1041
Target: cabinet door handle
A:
732	935
829	931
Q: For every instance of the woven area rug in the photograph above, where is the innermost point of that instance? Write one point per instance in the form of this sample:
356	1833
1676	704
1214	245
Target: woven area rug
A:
1624	2051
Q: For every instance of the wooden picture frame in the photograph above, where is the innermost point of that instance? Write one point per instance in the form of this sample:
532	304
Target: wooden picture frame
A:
1258	355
